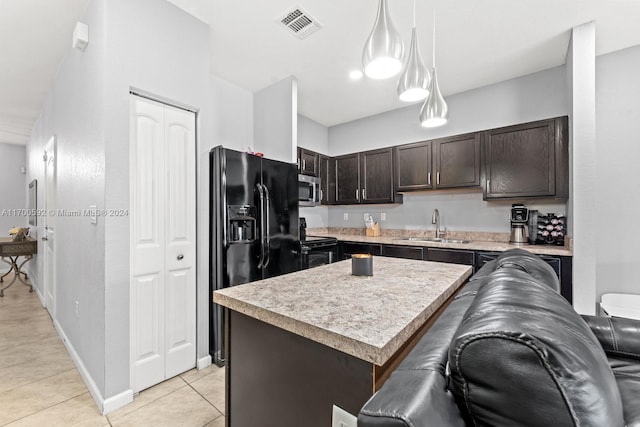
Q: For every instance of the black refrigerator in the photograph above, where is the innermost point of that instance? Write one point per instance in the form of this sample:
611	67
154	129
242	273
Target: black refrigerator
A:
254	231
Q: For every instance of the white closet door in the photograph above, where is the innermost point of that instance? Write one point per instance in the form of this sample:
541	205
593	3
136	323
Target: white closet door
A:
163	296
180	266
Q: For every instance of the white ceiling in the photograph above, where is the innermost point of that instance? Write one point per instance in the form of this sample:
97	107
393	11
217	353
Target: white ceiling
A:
478	43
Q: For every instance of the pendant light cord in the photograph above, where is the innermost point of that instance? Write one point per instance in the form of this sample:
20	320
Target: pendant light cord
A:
433	51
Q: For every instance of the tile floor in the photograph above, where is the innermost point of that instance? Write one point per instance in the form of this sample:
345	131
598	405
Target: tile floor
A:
39	384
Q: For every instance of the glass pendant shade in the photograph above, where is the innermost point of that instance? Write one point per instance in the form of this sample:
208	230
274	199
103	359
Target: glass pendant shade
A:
414	81
435	111
382	54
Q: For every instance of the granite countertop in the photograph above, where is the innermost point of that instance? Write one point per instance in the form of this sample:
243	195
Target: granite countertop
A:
367	317
474	245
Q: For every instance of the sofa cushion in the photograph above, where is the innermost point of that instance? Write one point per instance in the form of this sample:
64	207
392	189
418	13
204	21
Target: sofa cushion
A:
523	356
531	264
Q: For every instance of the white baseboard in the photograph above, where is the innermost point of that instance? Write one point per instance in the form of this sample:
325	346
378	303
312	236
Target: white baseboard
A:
116	402
104	405
203	362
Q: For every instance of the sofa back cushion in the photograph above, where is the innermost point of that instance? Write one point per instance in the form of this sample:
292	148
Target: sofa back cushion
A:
523	356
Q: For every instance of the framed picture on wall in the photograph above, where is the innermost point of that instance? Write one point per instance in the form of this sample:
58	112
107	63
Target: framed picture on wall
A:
33	202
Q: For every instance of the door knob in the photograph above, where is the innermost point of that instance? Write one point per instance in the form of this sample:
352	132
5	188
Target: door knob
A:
180	257
45	239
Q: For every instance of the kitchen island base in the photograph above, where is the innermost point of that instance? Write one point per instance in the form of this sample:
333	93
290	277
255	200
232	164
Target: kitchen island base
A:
279	379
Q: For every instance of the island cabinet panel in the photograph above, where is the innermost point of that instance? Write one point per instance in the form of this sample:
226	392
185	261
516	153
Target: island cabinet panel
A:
413	166
453	256
347	172
399	251
346	249
293	382
457	161
308	162
327	180
528	160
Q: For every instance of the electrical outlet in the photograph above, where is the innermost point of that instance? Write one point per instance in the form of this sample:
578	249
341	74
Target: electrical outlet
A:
383	216
77	309
341	418
345	216
93	219
365	216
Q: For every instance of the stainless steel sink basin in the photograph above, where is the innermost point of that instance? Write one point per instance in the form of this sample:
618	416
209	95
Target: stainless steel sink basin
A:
433	239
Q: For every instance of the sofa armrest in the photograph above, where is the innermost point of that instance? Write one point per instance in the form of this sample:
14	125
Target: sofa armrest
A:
618	336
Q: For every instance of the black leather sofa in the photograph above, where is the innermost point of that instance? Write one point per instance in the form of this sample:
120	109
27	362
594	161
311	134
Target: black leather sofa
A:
510	351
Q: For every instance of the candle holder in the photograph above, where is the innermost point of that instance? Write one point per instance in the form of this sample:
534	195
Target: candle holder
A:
362	265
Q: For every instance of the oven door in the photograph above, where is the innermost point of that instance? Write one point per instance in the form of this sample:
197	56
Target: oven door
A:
317	256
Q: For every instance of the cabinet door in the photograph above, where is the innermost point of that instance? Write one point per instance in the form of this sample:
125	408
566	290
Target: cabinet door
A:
327	180
376	176
413	166
452	256
521	161
308	162
347	179
346	249
457	161
406	252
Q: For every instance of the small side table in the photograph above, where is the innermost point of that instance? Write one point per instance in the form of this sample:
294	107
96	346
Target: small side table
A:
14	250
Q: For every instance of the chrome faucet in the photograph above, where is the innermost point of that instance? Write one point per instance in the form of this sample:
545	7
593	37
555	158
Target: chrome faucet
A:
435	219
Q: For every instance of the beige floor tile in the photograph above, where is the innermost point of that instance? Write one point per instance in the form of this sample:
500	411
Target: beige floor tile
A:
33	370
211	387
184	407
79	411
194	374
22	349
34	397
218	422
147	396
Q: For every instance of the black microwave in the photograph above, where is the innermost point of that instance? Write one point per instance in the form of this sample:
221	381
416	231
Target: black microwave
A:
309	192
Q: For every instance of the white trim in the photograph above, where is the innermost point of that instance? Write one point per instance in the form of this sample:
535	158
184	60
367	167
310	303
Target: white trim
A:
116	402
104	405
203	362
37	290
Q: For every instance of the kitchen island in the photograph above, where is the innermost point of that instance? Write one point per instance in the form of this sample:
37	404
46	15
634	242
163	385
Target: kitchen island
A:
302	342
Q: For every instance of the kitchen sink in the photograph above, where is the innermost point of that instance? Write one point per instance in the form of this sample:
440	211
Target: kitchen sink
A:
433	239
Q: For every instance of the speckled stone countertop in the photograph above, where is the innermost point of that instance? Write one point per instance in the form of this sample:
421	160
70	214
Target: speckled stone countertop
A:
367	317
492	242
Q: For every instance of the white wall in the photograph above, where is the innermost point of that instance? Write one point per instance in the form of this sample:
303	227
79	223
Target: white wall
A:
584	171
618	152
532	97
314	136
13	188
275	118
88	111
232	116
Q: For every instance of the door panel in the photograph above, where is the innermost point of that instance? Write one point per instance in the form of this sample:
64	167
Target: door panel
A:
147	342
50	227
163	242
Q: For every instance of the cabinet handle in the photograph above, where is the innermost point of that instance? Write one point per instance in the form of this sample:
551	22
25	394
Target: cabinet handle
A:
438	178
304	164
364	194
357	195
429	178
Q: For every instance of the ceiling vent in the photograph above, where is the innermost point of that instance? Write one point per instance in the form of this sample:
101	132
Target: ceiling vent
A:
300	23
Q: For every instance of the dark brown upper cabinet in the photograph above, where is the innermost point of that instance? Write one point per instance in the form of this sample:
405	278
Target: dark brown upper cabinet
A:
450	162
527	160
308	162
413	166
365	177
327	179
457	161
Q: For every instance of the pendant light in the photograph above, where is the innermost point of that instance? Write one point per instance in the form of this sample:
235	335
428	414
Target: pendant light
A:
382	55
435	111
414	81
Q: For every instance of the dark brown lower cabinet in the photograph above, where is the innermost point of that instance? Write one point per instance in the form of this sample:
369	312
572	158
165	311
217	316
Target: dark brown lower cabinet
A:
453	256
346	249
406	252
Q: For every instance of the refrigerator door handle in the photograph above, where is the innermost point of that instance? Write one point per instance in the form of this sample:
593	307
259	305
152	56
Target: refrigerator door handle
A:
261	192
268	237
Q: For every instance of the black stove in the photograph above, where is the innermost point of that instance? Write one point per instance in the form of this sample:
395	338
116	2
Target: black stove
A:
318	250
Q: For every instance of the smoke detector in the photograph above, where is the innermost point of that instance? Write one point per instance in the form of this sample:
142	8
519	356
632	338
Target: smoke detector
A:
299	22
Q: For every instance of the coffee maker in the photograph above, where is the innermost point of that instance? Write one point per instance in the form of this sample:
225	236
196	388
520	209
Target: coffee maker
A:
519	227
